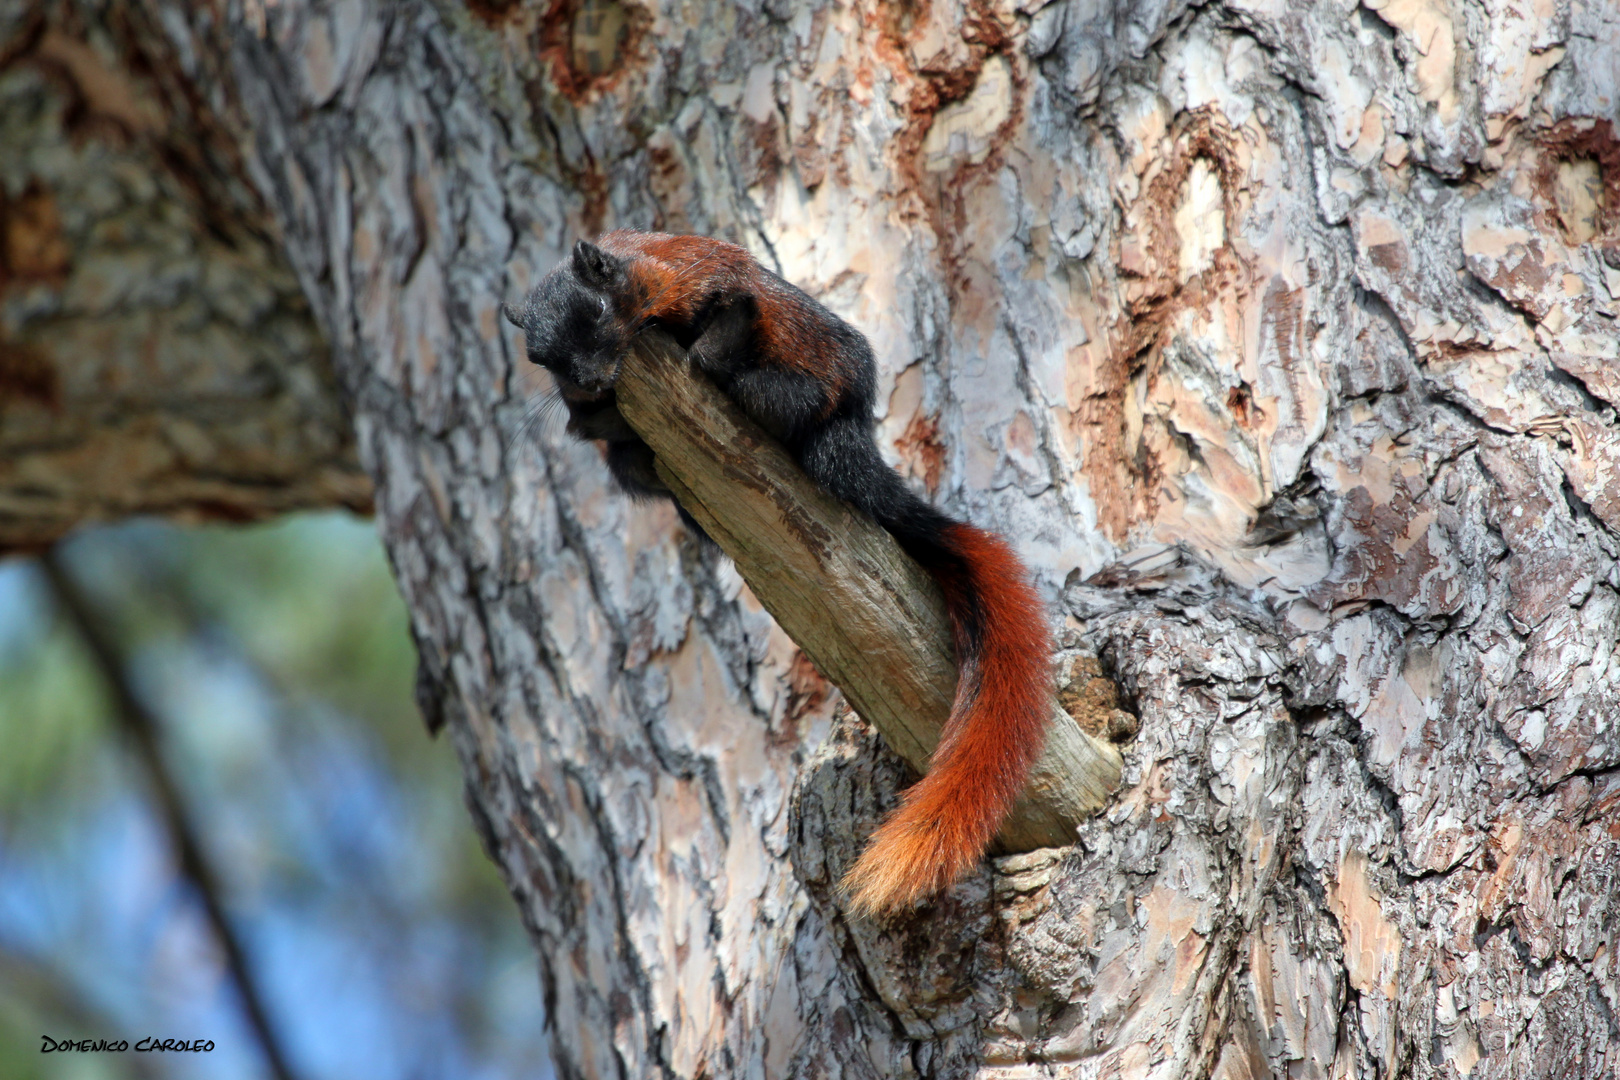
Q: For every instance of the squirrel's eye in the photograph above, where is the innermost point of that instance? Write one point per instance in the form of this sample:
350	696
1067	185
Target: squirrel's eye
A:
604	305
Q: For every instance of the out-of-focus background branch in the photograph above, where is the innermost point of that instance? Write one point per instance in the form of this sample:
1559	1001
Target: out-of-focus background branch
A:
144	733
273	665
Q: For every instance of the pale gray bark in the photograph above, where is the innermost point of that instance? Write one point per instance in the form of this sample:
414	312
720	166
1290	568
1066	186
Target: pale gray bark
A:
1280	337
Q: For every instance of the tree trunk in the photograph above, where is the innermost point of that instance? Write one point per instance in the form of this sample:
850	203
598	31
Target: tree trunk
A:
1281	338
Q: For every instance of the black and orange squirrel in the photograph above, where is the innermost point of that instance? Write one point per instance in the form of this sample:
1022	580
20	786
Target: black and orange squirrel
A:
809	379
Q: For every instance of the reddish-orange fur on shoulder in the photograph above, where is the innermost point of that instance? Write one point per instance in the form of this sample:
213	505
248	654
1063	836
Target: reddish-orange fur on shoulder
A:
677	275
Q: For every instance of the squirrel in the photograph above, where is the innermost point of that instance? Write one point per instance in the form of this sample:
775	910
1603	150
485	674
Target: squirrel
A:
809	379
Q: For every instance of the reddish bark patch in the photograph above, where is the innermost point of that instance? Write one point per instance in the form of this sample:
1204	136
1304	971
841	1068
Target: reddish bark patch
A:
807	689
1390	258
761	153
588	45
1093	700
668	181
32	247
1282	313
920	446
592	184
1126	479
942	199
1573	140
1240	402
27	374
1198	135
807	692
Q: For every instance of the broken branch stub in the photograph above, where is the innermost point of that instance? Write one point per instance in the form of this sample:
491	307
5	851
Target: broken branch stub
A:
871	620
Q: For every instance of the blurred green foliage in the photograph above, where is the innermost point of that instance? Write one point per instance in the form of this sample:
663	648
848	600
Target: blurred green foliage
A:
51	723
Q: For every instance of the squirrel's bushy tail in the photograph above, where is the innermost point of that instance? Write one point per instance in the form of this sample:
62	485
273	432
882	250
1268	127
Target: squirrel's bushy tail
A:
996	727
998	721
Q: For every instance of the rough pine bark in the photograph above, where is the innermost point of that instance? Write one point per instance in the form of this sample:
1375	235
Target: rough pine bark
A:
1280	336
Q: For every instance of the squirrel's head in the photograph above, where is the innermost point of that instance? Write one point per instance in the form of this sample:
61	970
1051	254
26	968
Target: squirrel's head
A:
572	323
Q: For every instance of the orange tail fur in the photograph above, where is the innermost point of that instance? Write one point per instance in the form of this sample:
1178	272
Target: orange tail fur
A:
992	738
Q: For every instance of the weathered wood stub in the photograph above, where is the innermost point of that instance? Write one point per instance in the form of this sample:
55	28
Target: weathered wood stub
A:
1280	336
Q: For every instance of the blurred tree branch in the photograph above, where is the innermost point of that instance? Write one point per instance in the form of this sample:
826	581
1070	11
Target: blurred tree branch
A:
142	727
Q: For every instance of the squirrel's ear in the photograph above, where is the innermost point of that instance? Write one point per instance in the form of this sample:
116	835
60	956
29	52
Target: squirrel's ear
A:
594	266
511	314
